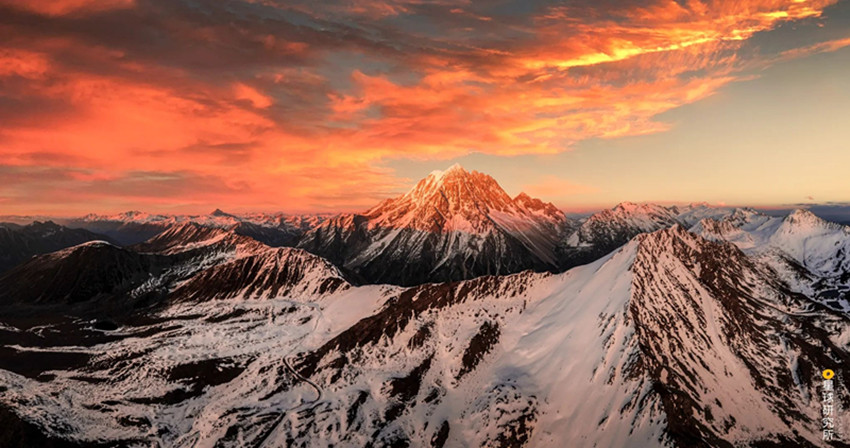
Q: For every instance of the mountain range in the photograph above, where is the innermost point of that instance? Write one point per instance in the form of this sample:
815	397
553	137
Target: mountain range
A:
452	315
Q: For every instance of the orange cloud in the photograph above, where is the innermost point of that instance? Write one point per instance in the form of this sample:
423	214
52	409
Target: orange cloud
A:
252	95
63	7
820	47
242	106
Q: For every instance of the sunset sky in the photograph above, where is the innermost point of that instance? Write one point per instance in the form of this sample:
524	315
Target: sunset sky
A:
183	106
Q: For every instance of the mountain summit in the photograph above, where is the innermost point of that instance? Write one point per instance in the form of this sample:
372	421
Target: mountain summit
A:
458	200
452	225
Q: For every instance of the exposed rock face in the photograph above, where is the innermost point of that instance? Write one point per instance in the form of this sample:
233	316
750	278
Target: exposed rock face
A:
735	355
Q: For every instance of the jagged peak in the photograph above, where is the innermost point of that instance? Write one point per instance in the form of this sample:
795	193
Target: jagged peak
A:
646	216
742	214
670	237
459	188
711	223
460	200
48	223
452	173
736	217
128	215
189	229
803	216
803	220
526	200
191	235
455	170
677	230
537	205
191	225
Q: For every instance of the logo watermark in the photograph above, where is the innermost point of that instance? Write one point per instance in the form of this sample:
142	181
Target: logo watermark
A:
830	407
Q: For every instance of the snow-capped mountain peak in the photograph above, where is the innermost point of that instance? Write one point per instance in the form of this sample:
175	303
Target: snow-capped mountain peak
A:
450	200
454	170
459	224
804	220
459	200
126	217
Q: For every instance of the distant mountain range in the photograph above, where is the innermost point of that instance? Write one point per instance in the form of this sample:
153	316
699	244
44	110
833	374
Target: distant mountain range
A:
135	227
453	315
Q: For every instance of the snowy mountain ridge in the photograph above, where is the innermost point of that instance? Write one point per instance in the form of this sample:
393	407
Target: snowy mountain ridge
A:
671	340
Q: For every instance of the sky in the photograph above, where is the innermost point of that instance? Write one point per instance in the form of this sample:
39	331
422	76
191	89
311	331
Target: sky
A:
184	106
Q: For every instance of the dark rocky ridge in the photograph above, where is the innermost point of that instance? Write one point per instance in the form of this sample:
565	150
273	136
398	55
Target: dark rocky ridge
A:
20	243
95	271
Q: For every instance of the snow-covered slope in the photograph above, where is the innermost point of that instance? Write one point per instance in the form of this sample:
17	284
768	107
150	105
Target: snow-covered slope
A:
607	230
691	214
672	340
819	245
738	355
178	378
267	273
452	225
811	254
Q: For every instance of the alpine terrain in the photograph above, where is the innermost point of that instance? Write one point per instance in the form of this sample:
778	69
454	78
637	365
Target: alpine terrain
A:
451	316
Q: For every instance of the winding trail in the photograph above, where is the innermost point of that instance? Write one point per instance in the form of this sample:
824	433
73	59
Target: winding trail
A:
319	393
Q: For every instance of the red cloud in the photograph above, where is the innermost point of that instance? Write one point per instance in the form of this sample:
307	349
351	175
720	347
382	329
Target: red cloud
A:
302	119
63	7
